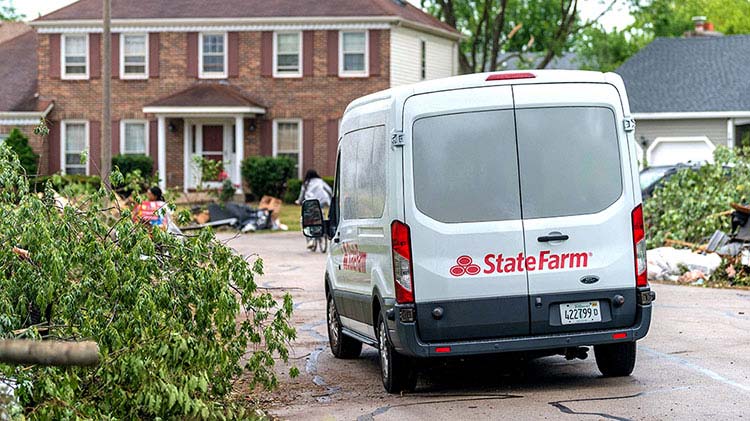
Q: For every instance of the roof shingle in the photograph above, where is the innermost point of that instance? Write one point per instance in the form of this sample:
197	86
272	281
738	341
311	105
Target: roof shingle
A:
207	95
176	9
689	75
18	73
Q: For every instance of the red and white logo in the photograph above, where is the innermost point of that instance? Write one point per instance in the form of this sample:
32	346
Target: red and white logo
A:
465	266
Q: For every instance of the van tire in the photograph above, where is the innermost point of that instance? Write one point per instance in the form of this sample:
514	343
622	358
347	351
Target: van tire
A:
396	370
342	346
615	360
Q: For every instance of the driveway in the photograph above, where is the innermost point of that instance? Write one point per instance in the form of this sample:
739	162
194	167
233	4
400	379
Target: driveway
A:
694	364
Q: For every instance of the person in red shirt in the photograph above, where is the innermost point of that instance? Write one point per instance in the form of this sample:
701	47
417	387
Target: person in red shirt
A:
150	211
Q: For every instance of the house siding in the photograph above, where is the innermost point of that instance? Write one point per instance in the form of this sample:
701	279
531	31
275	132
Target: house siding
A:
405	66
714	129
320	97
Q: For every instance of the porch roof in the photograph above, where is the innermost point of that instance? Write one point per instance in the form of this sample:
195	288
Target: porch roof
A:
206	98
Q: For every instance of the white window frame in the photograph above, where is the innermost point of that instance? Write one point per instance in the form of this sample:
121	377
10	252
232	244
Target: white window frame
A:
213	75
63	73
131	76
64	141
350	73
282	74
298	121
146	139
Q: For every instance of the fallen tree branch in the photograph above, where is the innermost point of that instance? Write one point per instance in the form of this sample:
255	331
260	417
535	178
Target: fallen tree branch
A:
23	352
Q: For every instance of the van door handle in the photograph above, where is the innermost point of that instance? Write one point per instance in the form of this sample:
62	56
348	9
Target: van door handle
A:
550	238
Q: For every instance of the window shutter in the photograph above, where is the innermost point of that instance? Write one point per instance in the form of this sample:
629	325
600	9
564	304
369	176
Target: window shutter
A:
94	158
333	53
233	39
95	55
308	145
266	138
332	144
54	143
374	36
153	143
54	60
192	54
115	137
266	54
154	47
308	51
115	56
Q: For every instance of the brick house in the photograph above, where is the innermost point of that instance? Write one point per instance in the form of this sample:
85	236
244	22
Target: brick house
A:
222	79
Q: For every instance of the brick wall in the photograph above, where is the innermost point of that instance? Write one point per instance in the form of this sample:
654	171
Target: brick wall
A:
319	98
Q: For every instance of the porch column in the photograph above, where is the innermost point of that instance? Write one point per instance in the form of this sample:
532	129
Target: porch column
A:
730	134
239	148
162	134
187	156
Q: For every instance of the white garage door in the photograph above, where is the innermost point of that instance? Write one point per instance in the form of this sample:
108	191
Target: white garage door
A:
676	150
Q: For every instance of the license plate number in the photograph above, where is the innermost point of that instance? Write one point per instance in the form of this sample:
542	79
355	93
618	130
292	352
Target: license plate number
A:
583	312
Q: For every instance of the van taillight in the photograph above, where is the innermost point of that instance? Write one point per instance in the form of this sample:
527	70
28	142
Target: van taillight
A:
639	247
402	273
510	76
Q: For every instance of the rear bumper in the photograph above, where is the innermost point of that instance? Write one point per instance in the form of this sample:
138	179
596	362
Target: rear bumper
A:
405	338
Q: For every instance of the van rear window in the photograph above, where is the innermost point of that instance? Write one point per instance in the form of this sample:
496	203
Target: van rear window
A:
569	160
466	168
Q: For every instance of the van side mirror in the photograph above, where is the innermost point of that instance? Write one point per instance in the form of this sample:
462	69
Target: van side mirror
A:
312	219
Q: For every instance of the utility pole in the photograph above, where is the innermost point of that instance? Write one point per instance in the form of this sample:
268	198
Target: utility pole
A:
106	135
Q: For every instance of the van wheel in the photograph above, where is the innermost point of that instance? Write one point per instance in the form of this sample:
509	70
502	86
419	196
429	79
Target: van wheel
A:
342	346
396	370
615	360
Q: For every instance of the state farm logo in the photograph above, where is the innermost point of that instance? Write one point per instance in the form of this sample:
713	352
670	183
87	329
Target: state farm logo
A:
465	266
499	263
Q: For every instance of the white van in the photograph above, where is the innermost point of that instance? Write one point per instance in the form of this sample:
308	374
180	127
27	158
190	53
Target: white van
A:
487	213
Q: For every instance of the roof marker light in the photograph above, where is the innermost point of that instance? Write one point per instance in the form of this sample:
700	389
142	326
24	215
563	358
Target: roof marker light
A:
511	76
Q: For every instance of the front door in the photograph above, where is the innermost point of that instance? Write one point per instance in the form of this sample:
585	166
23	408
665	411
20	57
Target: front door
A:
213	145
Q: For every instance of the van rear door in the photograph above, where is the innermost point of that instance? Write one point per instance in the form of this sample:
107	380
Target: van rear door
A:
462	203
577	199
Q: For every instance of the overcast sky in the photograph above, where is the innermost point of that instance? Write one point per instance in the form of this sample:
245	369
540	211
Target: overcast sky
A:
618	17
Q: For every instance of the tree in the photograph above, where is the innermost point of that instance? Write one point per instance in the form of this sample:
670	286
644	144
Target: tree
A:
671	18
604	51
19	143
8	12
494	27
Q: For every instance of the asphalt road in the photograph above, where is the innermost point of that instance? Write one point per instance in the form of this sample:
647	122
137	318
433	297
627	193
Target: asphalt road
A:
693	365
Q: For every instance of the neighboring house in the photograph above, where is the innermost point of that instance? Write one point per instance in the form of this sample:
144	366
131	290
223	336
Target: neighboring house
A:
511	61
689	95
223	79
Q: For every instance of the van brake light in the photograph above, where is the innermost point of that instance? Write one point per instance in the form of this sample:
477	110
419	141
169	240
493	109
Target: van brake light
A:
510	76
639	247
402	270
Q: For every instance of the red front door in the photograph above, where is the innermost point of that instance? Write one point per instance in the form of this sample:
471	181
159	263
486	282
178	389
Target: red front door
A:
213	143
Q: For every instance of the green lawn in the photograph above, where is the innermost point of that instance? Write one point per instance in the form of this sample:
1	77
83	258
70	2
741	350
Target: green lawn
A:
290	216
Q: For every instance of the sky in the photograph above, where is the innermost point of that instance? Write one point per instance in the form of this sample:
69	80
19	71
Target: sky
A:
617	17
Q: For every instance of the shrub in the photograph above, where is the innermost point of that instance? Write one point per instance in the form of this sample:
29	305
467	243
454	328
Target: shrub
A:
293	186
227	191
329	181
176	318
267	175
128	163
686	206
19	143
87	183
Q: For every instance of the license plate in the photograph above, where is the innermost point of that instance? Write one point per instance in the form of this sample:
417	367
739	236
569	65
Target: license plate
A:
583	312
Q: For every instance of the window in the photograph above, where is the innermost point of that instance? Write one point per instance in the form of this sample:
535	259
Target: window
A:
467	158
287	141
422	60
353	54
213	56
588	180
75	56
134	138
134	56
363	173
287	54
74	143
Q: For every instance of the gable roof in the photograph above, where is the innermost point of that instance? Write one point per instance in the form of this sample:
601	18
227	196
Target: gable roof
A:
700	74
187	9
18	73
207	95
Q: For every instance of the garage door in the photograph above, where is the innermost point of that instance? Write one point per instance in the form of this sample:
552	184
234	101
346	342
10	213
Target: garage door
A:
676	150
